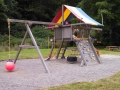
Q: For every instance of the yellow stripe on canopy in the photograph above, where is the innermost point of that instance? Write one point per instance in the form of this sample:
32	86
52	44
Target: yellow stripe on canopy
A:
66	14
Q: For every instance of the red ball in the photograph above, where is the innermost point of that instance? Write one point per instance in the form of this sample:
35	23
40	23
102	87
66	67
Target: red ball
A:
9	66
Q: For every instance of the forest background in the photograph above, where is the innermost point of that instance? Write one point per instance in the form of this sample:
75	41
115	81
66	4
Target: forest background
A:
103	11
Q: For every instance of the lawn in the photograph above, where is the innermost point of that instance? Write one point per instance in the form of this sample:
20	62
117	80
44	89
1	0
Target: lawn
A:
32	53
24	54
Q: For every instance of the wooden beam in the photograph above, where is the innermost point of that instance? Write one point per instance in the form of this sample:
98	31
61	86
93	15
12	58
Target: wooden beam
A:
26	46
33	22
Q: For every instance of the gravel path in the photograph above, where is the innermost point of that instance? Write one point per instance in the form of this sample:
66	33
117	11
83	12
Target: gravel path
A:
30	74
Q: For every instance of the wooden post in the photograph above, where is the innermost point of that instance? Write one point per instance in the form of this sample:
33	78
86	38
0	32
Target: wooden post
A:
62	14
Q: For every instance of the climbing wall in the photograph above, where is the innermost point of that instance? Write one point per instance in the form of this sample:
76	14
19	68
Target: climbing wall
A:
88	54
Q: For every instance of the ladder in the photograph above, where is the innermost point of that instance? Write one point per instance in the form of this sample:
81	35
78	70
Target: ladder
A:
61	51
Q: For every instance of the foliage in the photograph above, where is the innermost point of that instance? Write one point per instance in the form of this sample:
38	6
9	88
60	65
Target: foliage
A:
41	32
109	12
40	10
41	35
3	16
7	9
105	11
17	30
3	9
37	9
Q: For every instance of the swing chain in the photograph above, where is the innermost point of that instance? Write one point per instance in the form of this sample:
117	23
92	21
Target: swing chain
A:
8	23
9	35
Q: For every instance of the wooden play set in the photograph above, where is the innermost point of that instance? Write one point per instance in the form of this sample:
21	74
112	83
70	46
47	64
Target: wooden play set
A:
65	32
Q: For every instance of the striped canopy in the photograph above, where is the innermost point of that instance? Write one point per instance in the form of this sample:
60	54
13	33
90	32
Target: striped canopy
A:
70	11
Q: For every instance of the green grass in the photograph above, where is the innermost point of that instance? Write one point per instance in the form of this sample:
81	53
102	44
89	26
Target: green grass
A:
111	83
104	51
32	53
24	54
116	52
27	54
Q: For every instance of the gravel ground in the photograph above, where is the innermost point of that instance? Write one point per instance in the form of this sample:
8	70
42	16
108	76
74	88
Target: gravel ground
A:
30	74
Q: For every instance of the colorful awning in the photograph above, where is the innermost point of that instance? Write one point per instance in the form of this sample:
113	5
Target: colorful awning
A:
70	11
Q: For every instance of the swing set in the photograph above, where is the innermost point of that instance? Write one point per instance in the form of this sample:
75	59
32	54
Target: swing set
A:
28	24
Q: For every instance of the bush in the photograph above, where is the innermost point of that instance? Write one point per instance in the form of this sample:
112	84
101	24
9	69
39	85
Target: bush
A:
41	36
17	30
41	32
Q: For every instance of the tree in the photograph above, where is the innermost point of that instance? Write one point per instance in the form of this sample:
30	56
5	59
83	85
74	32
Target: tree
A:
3	16
7	9
3	10
110	12
40	10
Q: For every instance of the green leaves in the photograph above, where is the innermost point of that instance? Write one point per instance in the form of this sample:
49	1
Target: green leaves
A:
105	8
41	32
107	11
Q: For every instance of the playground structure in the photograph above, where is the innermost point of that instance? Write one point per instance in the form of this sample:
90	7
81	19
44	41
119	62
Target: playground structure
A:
66	33
83	41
